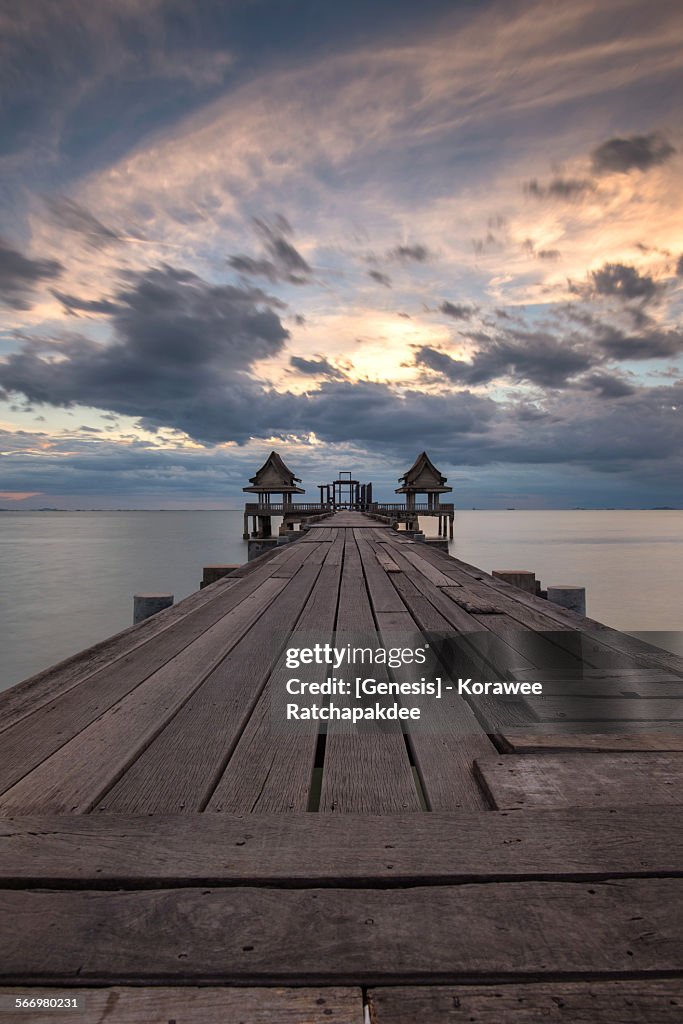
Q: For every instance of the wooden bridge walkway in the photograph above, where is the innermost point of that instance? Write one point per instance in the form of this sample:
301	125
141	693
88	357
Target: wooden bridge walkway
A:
170	854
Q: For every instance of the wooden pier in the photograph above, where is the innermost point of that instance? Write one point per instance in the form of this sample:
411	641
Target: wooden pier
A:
169	855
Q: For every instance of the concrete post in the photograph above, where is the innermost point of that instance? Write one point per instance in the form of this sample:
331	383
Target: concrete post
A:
145	605
573	598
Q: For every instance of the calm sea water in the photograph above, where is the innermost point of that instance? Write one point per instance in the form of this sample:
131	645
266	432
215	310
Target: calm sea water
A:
67	579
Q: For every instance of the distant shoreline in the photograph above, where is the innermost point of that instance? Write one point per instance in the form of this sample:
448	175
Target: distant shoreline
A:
612	508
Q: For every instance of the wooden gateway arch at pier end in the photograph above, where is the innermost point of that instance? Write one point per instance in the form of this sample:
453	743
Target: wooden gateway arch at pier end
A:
171	852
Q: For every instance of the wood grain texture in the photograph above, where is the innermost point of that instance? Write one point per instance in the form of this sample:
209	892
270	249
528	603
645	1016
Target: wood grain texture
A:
178	771
35	737
253	936
299	849
272	766
582	780
607	637
617	708
26	697
365	769
579	1002
523	741
74	777
206	1005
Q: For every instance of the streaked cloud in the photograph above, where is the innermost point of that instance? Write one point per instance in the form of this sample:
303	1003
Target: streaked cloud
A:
351	237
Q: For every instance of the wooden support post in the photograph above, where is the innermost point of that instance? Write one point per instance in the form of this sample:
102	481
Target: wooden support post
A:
215	572
145	605
522	578
573	598
245	528
450	520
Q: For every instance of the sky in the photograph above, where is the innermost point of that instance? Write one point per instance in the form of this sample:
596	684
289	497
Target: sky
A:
349	232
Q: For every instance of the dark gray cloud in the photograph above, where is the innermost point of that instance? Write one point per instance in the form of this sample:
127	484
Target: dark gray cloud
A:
180	357
72	304
624	282
256	268
558	188
522	356
282	261
316	367
77	218
19	275
409	253
607	385
456	310
679	266
638	152
380	278
653	343
639	437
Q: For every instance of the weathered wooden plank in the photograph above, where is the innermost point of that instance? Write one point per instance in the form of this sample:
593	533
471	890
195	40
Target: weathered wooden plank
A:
626	675
33	738
26	697
471	602
271	768
646	1001
75	776
605	709
383	596
365	770
582	779
429	608
320	533
300	849
542	740
343	936
178	771
205	1005
607	637
594	686
557	651
387	563
448	737
423	565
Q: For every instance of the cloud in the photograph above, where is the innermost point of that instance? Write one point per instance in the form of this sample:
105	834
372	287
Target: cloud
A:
285	263
652	343
636	151
679	266
71	215
624	282
381	278
522	356
316	367
455	310
409	253
548	254
558	188
20	275
181	356
607	385
72	304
